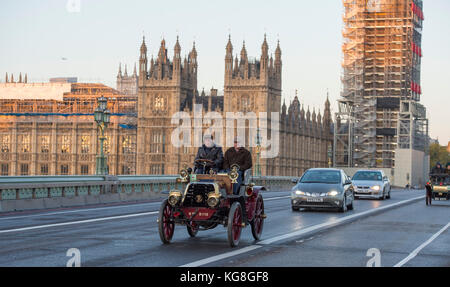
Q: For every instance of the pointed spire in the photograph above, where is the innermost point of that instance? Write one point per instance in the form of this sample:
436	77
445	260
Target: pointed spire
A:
134	70
12	78
278	53
143	46
26	78
243	52
327	102
265	47
177	48
194	51
6	78
119	74
126	73
229	46
20	77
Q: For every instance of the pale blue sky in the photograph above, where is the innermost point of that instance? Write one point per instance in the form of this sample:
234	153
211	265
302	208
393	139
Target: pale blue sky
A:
36	34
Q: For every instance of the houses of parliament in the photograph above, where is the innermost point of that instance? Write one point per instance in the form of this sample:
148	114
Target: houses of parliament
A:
49	128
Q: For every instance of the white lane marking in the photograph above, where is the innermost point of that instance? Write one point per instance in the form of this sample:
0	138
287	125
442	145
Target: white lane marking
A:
76	222
221	256
279	197
422	246
88	220
292	234
334	222
103	208
78	210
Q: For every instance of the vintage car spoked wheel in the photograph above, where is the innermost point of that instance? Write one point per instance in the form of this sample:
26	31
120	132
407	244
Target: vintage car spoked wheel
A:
192	229
234	224
258	221
166	225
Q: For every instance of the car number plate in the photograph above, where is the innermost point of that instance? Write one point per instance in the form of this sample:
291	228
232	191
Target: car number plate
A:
314	200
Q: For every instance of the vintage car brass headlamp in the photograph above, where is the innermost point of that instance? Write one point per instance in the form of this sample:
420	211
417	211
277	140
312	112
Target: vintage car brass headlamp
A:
174	197
233	175
184	175
213	199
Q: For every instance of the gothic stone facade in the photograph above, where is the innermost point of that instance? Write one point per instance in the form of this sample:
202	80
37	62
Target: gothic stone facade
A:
56	135
170	86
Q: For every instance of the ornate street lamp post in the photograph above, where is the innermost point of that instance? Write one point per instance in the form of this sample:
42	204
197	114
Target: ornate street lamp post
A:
102	118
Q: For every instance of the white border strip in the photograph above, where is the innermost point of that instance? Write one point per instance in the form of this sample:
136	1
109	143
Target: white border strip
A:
422	246
77	222
335	222
88	220
278	197
293	234
221	256
6	217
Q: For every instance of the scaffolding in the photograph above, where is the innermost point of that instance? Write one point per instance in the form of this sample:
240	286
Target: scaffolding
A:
59	137
381	66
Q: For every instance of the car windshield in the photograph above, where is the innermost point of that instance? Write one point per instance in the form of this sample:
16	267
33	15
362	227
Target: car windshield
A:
321	176
368	175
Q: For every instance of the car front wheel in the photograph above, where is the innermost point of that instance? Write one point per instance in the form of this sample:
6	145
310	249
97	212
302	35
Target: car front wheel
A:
343	208
234	224
166	224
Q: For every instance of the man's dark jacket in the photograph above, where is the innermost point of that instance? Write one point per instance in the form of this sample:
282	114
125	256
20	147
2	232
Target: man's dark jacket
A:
242	157
214	153
436	169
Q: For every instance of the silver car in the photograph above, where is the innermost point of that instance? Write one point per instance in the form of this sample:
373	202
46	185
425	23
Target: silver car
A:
323	188
371	184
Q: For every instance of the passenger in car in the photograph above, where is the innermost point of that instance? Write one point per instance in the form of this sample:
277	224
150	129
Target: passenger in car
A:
239	155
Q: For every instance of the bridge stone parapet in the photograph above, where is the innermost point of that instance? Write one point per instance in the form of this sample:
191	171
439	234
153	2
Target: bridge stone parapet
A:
19	193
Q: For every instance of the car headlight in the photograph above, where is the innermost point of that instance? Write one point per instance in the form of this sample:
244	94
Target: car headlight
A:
174	197
213	199
333	193
298	192
376	187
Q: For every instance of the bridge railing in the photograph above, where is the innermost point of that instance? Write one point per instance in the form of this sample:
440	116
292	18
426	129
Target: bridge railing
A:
34	187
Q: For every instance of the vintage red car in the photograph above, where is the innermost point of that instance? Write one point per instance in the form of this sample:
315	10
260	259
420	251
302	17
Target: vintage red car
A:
208	200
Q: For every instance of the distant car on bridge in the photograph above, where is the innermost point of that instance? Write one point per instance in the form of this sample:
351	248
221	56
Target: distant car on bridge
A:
371	184
323	188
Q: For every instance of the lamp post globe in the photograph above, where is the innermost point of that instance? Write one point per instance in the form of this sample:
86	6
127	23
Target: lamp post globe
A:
102	102
98	113
106	116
